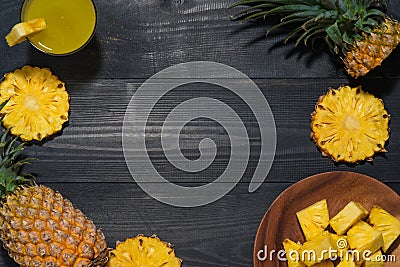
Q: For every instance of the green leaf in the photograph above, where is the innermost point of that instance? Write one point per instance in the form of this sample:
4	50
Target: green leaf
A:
347	39
283	24
334	34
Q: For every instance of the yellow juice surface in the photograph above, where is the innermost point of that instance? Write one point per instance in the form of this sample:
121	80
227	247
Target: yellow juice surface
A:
69	24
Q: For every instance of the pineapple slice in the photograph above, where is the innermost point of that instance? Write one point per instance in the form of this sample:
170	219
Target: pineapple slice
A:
375	260
387	224
327	263
350	125
143	251
292	255
316	250
363	237
347	217
21	31
38	103
314	219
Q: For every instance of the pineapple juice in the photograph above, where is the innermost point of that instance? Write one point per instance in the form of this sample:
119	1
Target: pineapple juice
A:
70	24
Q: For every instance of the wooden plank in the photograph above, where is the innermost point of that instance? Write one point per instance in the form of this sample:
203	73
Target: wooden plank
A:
136	39
217	235
90	149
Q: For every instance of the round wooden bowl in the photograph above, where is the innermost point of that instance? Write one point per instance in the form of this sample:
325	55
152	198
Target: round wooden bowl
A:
338	188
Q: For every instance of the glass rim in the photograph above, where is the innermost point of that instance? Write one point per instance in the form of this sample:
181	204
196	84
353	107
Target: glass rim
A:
68	53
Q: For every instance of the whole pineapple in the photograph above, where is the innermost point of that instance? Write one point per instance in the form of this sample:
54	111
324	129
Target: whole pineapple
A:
38	227
357	30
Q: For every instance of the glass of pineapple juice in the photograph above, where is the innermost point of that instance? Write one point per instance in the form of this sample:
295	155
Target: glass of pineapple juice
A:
70	24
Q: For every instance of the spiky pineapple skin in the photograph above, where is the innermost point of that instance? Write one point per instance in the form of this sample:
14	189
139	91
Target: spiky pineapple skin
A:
38	227
368	53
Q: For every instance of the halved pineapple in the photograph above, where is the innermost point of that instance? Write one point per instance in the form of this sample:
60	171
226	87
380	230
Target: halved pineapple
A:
375	260
350	125
38	103
314	219
292	253
363	237
347	217
143	251
316	250
387	224
21	31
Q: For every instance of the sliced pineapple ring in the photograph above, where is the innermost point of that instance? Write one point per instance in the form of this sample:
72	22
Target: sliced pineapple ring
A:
350	125
21	31
143	251
38	103
387	224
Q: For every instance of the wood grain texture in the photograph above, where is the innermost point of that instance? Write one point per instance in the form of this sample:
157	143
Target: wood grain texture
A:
90	150
134	40
137	38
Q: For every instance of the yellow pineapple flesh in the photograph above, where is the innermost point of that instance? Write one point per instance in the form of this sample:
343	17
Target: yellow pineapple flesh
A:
350	125
327	263
292	253
362	237
340	244
369	52
375	260
316	250
348	261
23	30
387	224
38	103
39	227
347	217
143	251
314	219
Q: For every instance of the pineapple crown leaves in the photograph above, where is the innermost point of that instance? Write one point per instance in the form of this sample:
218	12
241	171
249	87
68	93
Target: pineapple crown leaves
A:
339	22
11	163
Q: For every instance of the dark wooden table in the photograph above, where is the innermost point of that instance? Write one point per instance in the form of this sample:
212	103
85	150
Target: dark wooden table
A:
138	38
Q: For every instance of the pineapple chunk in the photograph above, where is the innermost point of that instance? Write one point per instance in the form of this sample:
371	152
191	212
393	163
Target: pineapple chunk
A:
21	31
347	217
340	244
375	260
348	261
327	263
292	255
314	219
387	224
316	250
363	237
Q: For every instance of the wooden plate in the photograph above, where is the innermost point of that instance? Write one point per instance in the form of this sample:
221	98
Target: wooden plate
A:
338	188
